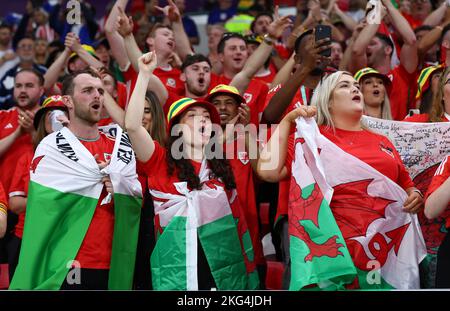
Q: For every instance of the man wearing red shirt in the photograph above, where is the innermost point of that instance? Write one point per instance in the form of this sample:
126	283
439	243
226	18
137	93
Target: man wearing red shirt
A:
16	124
84	97
232	111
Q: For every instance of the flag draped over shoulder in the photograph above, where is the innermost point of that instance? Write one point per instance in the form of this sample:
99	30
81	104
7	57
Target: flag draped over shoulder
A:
65	186
385	244
211	217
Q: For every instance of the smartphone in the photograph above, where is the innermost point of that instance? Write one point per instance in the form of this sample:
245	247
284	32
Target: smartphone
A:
322	32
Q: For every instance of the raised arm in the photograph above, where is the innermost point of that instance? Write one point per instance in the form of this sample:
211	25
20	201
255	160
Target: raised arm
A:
114	38
284	73
182	42
124	26
259	57
409	57
143	143
282	99
85	56
437	15
358	51
52	74
271	163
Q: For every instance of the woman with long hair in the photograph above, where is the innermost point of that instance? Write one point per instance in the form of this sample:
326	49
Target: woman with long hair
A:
192	190
440	105
374	89
45	122
338	105
153	122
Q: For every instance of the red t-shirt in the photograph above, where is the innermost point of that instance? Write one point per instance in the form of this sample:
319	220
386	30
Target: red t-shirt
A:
169	77
23	144
371	148
268	77
414	23
255	95
95	251
19	186
245	187
298	98
422	118
402	93
440	176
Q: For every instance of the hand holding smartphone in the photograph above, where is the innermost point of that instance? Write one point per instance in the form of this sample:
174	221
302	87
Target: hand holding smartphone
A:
323	32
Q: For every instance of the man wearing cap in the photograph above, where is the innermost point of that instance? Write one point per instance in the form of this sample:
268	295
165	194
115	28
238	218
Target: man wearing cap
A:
191	190
234	111
268	71
25	52
18	190
375	88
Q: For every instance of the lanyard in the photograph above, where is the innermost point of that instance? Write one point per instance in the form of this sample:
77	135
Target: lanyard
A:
304	97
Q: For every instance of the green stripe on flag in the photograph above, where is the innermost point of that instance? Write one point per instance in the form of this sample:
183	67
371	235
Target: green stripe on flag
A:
127	213
168	259
55	226
220	241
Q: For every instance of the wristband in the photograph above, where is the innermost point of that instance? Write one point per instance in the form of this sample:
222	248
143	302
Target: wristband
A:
268	39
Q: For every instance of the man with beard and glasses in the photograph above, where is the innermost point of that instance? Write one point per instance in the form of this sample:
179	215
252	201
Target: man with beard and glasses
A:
25	52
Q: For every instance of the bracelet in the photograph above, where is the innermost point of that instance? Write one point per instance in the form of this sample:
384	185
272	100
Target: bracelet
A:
268	39
3	208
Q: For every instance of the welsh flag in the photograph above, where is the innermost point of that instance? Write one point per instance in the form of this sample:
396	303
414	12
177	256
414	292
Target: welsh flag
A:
65	186
365	234
212	217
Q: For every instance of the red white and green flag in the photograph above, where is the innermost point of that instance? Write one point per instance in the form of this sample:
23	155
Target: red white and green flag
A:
346	220
215	219
65	186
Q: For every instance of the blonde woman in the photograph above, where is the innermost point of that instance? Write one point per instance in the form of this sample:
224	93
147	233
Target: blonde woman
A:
338	105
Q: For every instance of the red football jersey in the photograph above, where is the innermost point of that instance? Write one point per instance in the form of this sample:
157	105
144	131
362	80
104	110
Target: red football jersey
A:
23	144
440	176
95	251
402	93
255	95
19	186
245	187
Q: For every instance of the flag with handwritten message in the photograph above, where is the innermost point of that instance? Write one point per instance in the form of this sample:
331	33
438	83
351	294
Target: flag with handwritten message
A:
422	147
